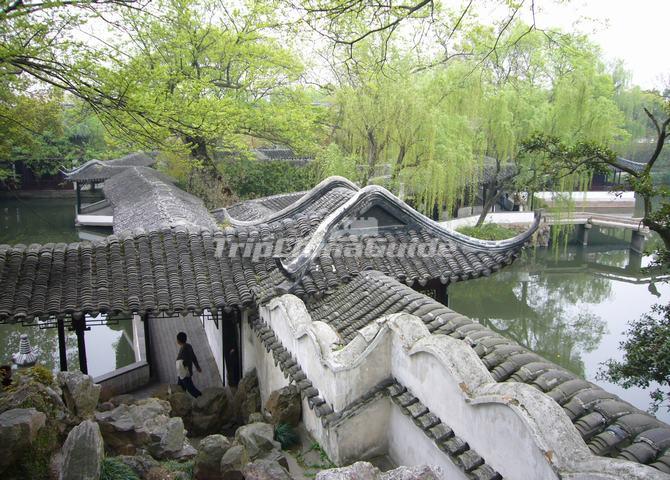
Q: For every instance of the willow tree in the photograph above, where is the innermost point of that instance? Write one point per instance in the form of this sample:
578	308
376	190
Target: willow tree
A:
550	82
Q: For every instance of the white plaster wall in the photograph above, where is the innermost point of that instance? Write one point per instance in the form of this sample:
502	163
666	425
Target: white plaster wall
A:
215	341
493	430
270	376
248	338
518	430
408	445
341	375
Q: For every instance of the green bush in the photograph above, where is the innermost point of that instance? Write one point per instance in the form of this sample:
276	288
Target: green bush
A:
488	231
114	469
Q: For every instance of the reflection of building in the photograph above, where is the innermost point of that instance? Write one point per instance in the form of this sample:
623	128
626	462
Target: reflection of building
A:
299	289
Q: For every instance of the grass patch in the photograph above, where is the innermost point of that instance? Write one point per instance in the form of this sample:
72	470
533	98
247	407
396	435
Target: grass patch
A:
113	469
489	231
173	466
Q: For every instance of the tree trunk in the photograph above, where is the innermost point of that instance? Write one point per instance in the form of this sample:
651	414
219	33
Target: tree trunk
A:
373	153
490	201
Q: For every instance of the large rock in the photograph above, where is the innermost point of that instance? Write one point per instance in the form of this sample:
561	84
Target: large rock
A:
181	403
18	429
233	461
257	438
284	406
210	411
247	399
207	465
265	470
366	471
412	473
46	399
146	425
357	471
83	452
80	393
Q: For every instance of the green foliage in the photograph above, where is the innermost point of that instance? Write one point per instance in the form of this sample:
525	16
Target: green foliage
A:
646	356
252	178
286	436
489	231
209	76
114	469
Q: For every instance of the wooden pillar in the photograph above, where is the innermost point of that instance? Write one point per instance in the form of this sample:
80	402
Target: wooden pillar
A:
441	294
231	349
62	350
78	188
79	325
147	342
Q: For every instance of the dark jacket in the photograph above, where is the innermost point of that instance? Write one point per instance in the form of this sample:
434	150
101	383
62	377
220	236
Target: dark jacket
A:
187	355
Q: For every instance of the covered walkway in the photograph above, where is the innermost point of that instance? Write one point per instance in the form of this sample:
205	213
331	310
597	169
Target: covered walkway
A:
162	334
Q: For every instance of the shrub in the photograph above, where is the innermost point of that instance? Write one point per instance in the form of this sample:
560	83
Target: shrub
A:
38	373
286	436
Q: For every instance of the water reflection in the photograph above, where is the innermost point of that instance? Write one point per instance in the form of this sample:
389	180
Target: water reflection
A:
569	306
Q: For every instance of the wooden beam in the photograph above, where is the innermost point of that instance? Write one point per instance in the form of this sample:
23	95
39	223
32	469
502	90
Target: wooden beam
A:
79	324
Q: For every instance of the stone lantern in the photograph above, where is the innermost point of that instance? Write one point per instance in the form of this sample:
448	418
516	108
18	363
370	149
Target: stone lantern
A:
25	357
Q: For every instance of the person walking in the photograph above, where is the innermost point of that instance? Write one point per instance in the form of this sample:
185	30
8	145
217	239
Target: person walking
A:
186	359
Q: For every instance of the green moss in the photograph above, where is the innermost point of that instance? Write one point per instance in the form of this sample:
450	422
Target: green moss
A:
489	231
34	463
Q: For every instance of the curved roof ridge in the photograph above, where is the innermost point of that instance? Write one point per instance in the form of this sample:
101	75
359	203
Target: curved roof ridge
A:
299	205
374	195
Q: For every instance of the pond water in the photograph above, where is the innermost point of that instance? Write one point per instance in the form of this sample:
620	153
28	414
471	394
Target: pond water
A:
571	306
108	347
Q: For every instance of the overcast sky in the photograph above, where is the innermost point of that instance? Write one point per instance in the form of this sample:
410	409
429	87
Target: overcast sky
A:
635	31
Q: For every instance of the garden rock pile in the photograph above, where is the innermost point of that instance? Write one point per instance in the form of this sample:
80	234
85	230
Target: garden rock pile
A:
145	424
219	458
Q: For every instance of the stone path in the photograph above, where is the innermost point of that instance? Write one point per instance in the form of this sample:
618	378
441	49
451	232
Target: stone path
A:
163	333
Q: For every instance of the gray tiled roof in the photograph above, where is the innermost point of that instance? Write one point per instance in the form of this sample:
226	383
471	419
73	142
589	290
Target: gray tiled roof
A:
636	166
324	198
142	197
609	426
98	170
283	154
181	269
259	208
